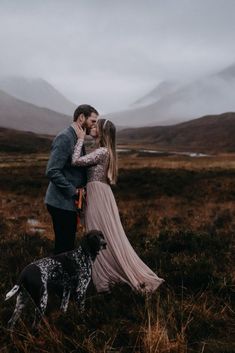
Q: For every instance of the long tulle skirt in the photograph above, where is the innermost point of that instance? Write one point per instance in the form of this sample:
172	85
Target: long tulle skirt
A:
118	262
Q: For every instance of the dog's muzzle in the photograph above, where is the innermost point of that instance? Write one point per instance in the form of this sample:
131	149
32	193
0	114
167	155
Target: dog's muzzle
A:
103	244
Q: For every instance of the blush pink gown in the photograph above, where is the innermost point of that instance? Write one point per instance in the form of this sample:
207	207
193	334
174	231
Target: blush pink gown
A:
119	262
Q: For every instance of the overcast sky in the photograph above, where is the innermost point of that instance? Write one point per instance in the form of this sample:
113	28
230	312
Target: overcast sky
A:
109	53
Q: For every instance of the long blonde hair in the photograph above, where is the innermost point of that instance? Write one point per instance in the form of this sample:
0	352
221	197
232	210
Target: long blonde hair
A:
107	138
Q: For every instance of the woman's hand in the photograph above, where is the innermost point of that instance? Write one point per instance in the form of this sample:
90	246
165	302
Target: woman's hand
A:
79	130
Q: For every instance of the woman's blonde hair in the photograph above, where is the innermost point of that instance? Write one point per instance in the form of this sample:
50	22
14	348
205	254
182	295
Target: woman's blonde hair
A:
107	138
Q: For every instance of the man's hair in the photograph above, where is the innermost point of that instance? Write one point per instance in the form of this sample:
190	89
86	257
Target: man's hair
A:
85	109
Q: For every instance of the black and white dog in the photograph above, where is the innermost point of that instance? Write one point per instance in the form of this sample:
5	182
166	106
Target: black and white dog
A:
70	270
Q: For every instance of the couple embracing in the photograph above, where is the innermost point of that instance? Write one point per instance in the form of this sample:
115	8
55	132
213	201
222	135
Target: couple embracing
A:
70	168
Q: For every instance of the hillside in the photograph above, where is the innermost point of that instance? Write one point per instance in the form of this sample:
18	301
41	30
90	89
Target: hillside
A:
161	90
209	133
213	133
38	92
211	94
19	115
23	142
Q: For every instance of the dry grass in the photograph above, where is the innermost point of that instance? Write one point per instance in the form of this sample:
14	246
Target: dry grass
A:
134	160
180	221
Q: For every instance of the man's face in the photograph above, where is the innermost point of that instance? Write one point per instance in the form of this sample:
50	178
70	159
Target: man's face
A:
90	122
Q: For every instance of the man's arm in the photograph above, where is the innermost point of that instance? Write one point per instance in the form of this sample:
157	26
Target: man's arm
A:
61	150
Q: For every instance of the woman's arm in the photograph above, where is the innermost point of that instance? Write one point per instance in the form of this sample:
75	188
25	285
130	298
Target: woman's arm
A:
77	151
89	159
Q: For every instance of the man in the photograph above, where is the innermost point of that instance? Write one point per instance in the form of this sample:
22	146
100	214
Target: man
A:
65	179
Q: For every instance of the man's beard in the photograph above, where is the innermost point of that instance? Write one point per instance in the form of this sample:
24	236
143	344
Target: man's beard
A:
88	129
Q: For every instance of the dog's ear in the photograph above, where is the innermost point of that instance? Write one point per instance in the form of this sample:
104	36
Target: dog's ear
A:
93	242
84	244
94	233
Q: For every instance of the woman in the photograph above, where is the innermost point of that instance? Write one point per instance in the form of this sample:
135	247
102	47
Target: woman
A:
119	262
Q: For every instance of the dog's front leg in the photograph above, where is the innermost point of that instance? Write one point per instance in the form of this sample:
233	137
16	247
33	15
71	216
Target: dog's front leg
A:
81	293
20	304
65	299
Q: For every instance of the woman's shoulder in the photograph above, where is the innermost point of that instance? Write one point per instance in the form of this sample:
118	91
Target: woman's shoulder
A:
103	150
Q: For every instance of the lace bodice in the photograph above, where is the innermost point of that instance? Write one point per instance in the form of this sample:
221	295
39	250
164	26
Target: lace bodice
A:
96	161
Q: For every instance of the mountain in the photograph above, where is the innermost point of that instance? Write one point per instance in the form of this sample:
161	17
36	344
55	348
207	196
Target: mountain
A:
228	73
212	94
19	115
212	133
163	89
38	92
23	142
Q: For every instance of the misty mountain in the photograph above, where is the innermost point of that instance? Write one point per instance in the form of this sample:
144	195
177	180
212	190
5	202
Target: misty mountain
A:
163	89
20	115
38	92
213	133
212	94
228	73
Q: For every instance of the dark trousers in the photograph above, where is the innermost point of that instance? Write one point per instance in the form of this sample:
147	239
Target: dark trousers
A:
65	226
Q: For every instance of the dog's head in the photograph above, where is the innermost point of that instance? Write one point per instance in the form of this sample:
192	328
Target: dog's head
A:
93	242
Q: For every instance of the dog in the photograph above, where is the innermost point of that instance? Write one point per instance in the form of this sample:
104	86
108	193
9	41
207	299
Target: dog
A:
70	270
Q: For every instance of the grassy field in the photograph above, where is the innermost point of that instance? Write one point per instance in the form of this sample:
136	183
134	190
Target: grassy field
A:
178	213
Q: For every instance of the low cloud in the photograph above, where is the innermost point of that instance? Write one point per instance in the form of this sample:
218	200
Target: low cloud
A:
111	53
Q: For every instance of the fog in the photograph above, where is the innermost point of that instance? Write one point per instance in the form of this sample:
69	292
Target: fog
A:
109	53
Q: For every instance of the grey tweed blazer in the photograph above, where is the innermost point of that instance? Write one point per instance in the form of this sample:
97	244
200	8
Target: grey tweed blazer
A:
64	178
